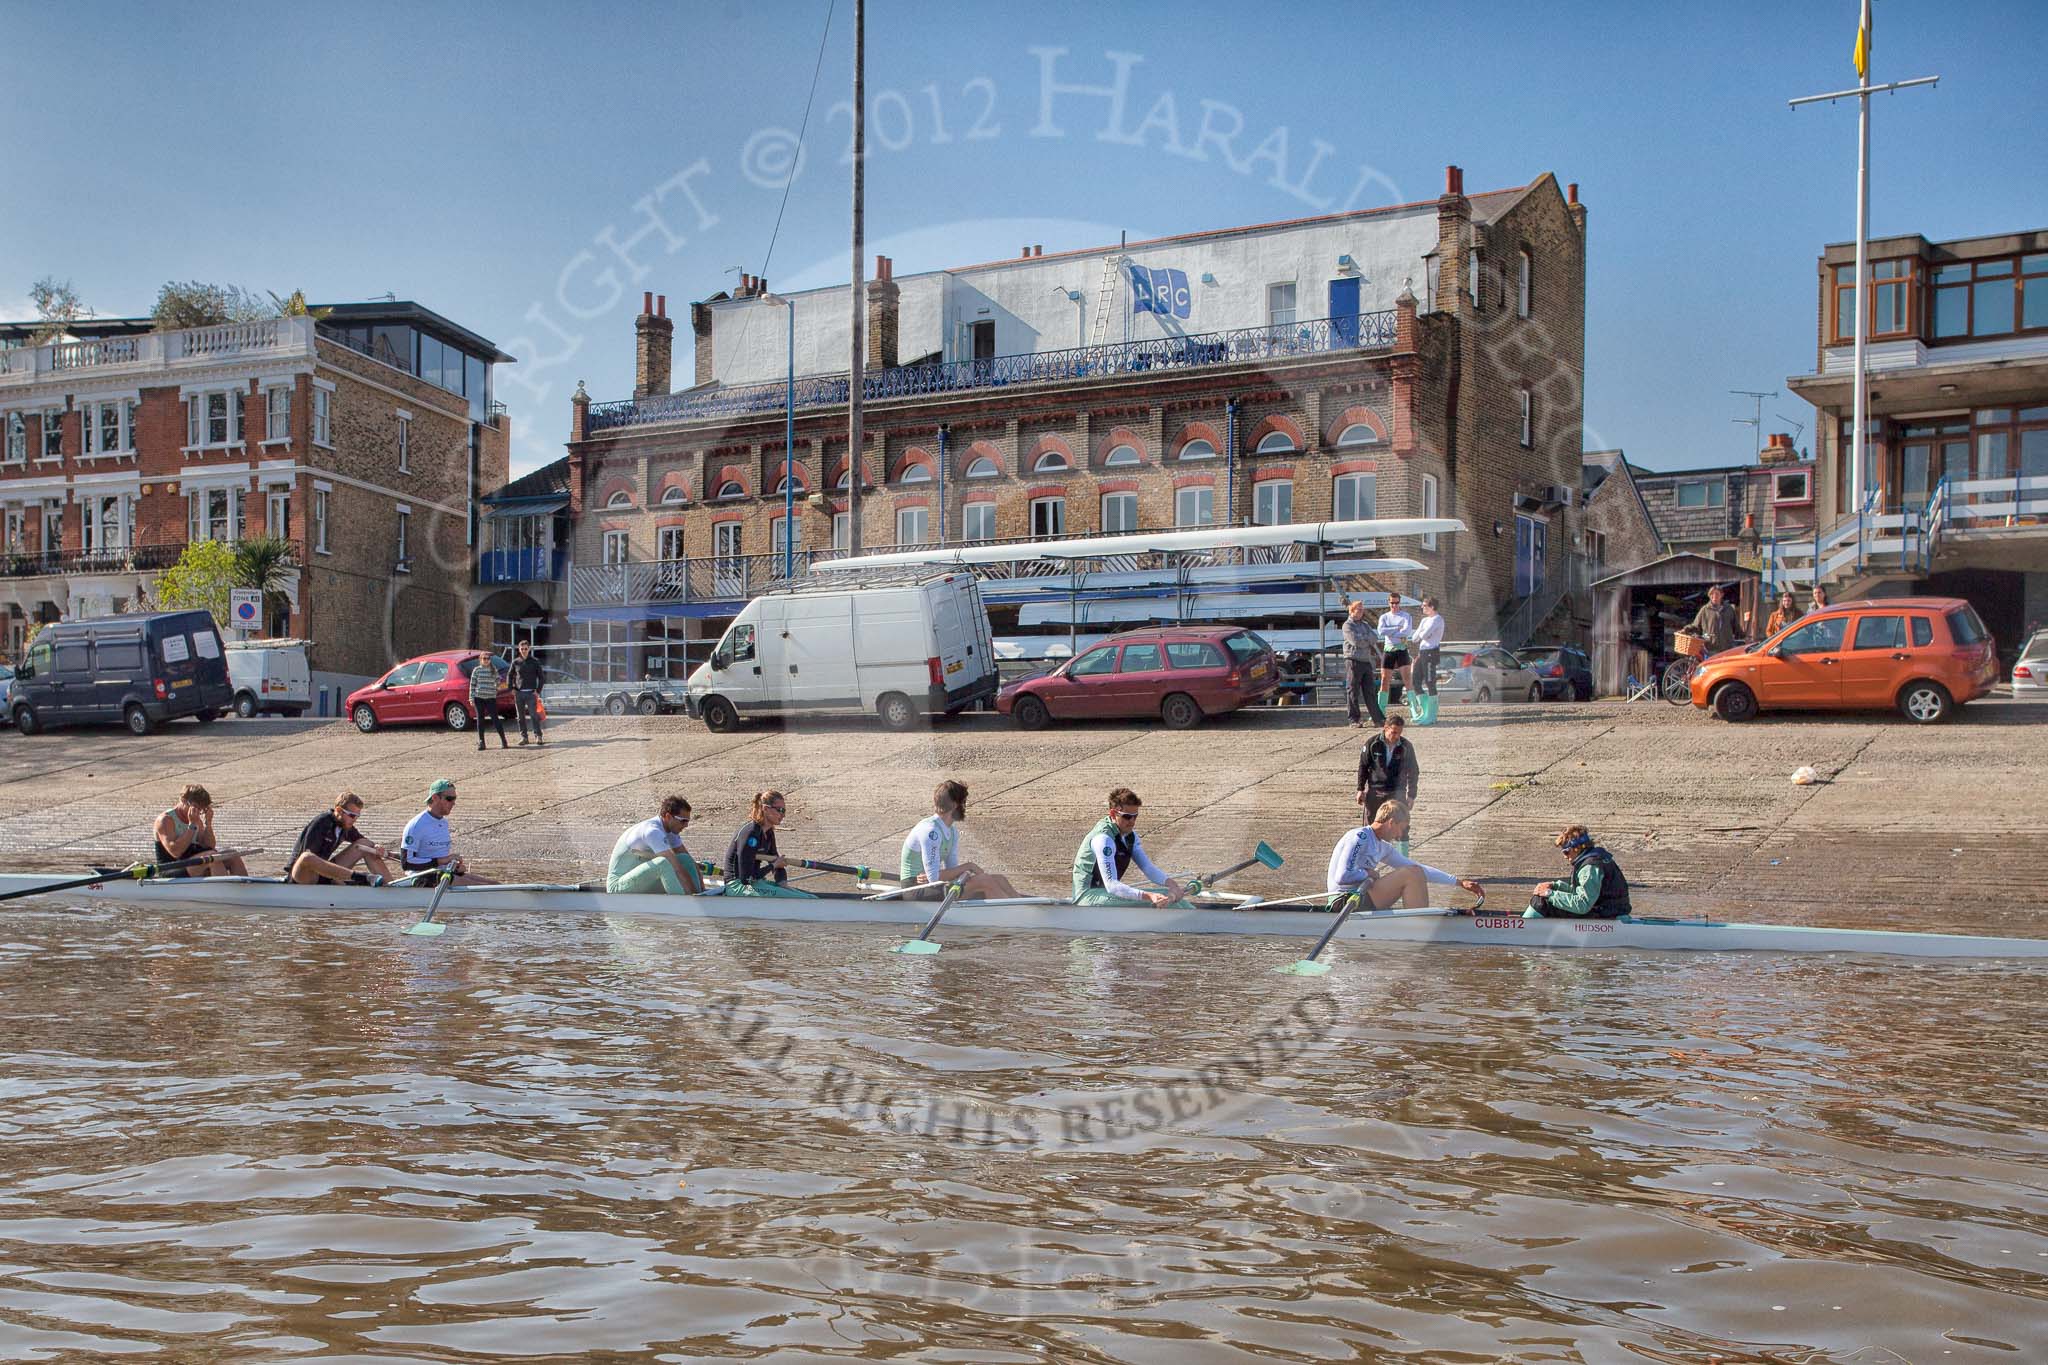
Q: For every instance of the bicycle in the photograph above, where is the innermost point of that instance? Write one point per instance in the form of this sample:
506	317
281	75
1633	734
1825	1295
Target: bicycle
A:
1678	673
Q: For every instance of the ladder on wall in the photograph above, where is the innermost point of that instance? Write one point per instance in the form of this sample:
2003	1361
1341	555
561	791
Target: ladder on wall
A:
1105	299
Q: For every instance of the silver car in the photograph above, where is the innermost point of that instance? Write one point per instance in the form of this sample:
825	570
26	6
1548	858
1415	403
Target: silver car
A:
1486	672
2030	672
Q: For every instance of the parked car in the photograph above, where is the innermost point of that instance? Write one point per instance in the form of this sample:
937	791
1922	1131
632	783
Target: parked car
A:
2029	674
1486	672
270	677
901	650
1565	672
432	689
1179	674
6	695
1924	655
139	670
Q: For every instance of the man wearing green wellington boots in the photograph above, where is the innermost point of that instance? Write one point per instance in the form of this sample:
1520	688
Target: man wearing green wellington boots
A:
1428	640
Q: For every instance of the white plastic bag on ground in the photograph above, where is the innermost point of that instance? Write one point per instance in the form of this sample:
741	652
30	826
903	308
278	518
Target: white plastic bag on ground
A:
1804	777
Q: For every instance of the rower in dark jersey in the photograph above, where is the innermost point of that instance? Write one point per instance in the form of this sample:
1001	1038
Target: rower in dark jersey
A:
753	867
331	845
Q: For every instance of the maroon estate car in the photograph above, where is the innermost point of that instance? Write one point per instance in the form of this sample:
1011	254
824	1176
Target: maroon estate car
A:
1179	674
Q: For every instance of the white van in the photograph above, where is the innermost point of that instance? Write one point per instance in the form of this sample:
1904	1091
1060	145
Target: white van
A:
270	677
913	646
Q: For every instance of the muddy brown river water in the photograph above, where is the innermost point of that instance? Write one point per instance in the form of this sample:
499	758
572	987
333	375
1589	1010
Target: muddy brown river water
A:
229	1137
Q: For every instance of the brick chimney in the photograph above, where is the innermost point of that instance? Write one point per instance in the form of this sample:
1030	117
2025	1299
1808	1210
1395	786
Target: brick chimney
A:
883	296
1779	450
700	328
653	341
579	427
1577	209
1453	240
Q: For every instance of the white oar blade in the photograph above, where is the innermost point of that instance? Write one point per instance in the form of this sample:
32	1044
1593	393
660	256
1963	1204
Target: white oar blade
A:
427	929
917	947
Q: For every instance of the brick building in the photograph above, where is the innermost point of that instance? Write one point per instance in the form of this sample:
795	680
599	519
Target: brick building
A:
1619	532
1733	513
1957	474
1424	359
361	438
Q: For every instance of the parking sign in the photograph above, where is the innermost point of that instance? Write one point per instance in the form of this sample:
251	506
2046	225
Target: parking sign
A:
245	608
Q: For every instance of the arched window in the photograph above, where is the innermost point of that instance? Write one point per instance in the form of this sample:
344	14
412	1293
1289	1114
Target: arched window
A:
731	489
1051	462
673	495
1357	434
1121	455
916	473
845	478
1275	443
1198	450
983	468
782	486
619	499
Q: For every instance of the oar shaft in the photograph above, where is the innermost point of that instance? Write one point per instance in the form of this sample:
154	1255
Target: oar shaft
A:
1350	904
945	904
866	874
134	871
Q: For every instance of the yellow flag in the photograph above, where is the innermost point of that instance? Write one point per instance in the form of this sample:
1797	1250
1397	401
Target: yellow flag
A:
1862	53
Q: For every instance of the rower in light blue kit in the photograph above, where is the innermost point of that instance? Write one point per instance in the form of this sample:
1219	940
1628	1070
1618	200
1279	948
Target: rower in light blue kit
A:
931	853
1369	861
650	858
1109	851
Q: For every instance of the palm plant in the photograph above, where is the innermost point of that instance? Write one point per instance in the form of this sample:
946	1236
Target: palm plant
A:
265	562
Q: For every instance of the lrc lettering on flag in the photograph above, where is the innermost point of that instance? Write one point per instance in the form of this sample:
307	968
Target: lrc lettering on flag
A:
1164	292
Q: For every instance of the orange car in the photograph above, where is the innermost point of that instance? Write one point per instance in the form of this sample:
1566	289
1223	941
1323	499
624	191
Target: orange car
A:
1924	655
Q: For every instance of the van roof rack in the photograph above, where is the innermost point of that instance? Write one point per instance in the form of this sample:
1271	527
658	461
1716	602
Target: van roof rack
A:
882	576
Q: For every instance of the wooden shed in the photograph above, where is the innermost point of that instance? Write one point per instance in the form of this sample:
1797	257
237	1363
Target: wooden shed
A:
1636	613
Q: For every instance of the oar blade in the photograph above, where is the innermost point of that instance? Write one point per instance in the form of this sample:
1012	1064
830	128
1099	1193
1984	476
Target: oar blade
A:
1267	854
1305	968
917	947
427	929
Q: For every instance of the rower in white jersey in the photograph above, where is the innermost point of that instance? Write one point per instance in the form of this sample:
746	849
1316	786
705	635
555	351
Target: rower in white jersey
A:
931	853
650	858
1368	861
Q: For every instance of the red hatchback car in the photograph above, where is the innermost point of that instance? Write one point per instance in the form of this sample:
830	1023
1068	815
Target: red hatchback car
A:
1179	674
431	690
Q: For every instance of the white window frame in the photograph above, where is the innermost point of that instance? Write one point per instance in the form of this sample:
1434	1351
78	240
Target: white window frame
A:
94	532
1276	443
199	420
842	530
674	496
93	427
1365	490
199	518
17	440
17	530
323	413
1472	273
981	467
1713	493
778	533
1192	495
53	425
1805	493
277	415
617	545
1056	511
983	513
1283	298
1122	455
919	518
277	510
917	471
322	493
405	442
668	543
1274	491
730	489
403	563
53	526
1522	284
1051	462
621	500
1198	449
1527	401
1102	511
1430	502
728	540
1346	440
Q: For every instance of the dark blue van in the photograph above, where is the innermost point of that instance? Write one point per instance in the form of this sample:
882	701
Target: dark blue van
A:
138	670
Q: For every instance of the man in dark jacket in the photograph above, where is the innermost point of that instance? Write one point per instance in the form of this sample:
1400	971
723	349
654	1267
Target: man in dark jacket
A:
1386	769
526	682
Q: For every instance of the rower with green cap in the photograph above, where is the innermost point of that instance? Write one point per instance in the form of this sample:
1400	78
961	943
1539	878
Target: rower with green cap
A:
650	858
1109	851
931	853
427	846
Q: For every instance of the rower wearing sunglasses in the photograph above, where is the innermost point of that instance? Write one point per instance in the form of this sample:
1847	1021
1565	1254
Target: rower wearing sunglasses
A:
1109	851
650	858
753	866
427	846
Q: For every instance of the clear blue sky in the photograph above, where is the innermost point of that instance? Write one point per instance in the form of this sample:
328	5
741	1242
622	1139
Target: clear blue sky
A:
465	154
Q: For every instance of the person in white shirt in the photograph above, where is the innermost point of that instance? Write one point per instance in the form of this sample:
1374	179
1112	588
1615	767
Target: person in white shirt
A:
1109	851
1394	628
1368	860
931	853
650	858
1428	639
427	846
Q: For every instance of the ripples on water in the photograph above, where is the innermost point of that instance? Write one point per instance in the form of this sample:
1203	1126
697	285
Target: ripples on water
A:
231	1137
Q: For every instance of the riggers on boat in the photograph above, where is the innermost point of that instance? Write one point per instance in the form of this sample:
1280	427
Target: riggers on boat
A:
1040	914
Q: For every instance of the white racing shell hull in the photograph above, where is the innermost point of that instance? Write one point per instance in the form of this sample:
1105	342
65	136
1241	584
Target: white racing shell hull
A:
1431	927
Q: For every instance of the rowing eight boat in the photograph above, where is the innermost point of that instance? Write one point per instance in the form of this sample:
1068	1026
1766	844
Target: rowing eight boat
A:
1043	914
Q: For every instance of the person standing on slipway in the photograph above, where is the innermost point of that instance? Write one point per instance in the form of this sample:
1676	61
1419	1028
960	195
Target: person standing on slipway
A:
1359	684
483	694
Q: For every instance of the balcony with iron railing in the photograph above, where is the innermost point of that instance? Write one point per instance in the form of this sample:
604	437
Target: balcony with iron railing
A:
112	559
1245	345
157	352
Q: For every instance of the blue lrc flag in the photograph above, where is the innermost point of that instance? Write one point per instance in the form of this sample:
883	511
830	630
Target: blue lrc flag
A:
1164	292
